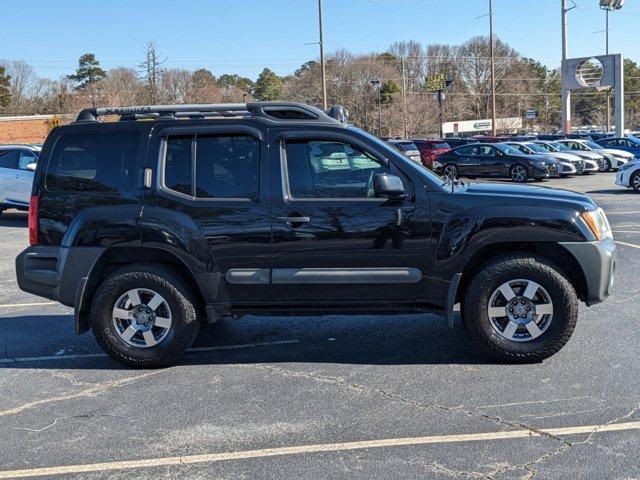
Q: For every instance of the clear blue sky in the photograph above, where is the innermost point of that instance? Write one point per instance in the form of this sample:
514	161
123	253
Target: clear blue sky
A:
243	36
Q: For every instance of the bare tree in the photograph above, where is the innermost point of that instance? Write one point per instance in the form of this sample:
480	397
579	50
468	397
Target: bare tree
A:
153	72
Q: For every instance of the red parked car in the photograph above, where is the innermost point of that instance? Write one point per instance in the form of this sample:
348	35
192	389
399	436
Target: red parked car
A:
430	149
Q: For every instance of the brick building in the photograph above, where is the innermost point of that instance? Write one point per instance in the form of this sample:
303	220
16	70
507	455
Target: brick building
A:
28	129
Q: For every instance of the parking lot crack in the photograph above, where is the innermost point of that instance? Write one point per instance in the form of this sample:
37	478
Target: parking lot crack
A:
59	419
432	406
88	392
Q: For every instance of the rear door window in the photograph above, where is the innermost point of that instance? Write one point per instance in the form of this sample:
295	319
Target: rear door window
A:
93	161
9	158
212	166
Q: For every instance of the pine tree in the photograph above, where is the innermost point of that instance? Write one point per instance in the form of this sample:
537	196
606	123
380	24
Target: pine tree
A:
268	86
88	74
5	92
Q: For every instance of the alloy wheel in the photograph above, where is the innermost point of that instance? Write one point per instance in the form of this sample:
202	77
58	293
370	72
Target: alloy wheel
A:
518	173
520	310
142	318
635	181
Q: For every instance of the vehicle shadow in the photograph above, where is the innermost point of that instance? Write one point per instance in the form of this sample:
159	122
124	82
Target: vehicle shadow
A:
617	191
365	340
13	218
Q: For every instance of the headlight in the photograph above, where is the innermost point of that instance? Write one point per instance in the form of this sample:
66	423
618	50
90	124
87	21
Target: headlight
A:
597	222
541	164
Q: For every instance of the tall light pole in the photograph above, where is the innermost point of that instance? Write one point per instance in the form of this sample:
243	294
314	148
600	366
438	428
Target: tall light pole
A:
378	85
493	72
609	6
322	69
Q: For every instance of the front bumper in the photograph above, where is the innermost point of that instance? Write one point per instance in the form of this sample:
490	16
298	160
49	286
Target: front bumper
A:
622	179
598	263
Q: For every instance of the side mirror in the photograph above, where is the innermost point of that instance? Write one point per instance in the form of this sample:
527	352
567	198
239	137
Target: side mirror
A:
390	186
32	167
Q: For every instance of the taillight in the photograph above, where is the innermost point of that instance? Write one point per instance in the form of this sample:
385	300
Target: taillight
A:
34	203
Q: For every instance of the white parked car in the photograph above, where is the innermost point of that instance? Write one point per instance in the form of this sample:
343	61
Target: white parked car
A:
17	164
612	158
589	165
629	175
567	164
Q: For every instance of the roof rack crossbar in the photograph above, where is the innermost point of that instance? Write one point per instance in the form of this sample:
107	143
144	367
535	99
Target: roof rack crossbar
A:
271	110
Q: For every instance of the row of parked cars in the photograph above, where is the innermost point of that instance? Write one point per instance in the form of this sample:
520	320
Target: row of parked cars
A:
527	158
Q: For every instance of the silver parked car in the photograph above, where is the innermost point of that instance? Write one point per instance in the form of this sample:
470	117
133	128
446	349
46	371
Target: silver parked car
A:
17	164
590	164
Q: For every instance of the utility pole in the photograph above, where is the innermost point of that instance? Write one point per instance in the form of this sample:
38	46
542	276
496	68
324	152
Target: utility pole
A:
322	69
493	71
566	93
606	34
404	98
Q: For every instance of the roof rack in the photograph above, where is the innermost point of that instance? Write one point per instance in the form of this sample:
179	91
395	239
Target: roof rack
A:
274	111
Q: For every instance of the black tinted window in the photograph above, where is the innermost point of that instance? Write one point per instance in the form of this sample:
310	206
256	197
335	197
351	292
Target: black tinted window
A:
96	161
9	158
226	167
330	169
467	150
177	167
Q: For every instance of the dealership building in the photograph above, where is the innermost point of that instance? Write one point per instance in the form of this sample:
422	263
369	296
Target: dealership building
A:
469	128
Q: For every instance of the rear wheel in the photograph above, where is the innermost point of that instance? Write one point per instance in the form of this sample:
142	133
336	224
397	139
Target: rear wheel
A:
635	181
520	308
519	173
450	171
144	316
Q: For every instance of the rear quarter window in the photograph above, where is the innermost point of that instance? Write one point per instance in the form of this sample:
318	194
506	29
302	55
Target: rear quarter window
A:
93	162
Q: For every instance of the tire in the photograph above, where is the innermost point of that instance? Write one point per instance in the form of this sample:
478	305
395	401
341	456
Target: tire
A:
519	173
606	165
634	182
449	170
164	346
520	345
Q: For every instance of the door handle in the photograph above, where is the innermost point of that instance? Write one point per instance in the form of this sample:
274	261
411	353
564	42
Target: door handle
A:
293	220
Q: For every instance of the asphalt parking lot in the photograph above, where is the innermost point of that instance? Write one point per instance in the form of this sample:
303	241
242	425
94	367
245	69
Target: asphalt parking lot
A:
325	397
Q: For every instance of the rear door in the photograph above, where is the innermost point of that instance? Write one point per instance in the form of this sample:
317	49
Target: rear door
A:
216	177
8	172
333	241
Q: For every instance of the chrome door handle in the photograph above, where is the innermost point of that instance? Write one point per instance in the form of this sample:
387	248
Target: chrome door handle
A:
294	219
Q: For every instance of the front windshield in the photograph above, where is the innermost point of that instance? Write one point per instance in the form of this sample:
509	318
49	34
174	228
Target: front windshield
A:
561	147
394	153
546	147
508	149
634	140
594	146
537	148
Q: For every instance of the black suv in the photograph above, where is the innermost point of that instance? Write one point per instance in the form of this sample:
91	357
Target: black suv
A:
175	215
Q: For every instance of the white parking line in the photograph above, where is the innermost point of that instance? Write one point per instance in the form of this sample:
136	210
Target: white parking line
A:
100	355
32	304
316	448
632	245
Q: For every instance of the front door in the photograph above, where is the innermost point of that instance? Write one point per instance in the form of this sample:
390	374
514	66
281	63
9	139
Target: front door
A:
23	181
333	241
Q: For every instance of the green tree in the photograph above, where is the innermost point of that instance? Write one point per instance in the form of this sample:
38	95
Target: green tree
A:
388	90
5	84
88	74
235	81
268	86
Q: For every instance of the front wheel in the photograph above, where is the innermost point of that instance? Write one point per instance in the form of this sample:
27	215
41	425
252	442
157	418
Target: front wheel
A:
519	173
143	316
606	167
520	308
635	181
